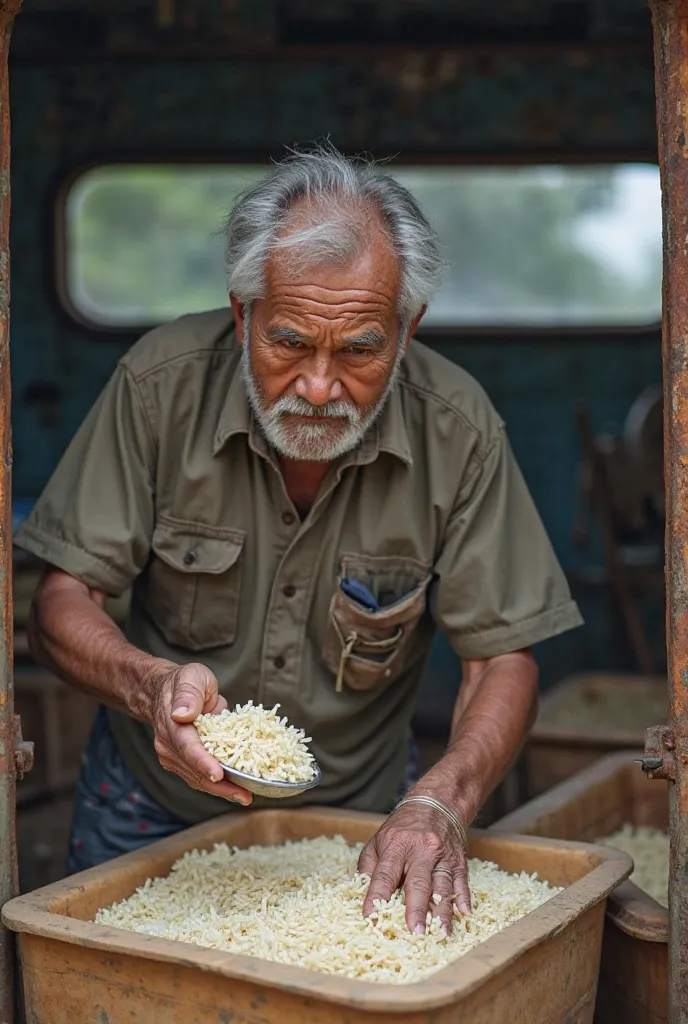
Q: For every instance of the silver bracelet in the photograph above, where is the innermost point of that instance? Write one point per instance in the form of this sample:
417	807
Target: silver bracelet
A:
430	801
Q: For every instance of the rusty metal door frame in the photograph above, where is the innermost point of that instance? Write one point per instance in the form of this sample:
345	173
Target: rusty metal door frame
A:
667	746
8	725
8	844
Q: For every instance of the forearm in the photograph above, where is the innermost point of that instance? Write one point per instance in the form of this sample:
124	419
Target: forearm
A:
496	708
72	635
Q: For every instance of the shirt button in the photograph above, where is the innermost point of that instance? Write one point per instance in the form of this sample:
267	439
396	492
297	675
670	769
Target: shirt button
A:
289	590
279	661
288	518
189	558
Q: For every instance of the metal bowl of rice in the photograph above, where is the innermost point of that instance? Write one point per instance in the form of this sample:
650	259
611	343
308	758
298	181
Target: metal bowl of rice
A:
273	790
260	751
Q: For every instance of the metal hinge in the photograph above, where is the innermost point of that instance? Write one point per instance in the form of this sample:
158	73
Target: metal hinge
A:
23	751
658	760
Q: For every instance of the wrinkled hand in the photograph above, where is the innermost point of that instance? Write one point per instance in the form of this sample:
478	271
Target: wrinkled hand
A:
418	850
182	694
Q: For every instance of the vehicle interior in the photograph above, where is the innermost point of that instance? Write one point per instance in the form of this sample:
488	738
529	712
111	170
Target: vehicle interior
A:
526	129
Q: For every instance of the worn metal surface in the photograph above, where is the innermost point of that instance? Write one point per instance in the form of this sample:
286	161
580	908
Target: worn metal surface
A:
23	751
670	18
658	760
8	848
148	27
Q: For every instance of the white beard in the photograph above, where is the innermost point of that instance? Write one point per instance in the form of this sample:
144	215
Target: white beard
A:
311	442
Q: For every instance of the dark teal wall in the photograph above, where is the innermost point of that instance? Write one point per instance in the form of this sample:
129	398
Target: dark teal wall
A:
531	106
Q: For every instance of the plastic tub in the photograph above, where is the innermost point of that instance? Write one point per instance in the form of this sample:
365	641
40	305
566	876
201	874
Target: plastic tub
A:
544	968
633	986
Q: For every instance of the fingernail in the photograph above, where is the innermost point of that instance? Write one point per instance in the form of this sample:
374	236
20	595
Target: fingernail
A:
419	929
244	801
464	908
183	710
213	777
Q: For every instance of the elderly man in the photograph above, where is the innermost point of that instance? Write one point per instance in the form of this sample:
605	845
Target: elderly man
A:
298	494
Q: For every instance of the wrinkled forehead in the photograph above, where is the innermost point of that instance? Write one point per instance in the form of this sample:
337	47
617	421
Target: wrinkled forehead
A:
362	268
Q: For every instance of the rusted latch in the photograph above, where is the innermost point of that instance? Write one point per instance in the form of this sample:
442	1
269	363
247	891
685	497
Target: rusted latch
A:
23	751
658	760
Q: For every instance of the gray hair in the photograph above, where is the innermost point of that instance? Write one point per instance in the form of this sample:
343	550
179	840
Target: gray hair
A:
333	227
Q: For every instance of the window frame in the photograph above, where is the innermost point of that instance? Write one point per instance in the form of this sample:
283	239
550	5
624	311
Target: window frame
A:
464	332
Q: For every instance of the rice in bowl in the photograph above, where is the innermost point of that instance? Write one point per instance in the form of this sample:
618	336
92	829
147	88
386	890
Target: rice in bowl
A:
256	741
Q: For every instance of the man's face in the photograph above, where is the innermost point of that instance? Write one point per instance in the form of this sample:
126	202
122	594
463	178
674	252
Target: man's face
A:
324	350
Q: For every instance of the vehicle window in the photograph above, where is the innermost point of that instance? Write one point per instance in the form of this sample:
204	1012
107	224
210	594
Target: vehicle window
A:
525	246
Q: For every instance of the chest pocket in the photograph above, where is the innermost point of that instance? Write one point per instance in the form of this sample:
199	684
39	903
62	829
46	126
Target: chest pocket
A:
363	648
194	584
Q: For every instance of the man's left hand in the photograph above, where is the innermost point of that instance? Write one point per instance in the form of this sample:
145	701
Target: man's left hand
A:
417	849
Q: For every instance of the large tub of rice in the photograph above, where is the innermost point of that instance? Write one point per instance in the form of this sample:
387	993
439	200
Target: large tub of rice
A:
612	802
212	926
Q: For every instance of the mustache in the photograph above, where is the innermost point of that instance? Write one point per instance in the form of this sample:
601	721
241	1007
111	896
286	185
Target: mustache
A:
292	405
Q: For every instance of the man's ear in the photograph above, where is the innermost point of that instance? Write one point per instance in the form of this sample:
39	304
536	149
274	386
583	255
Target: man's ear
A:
238	310
414	327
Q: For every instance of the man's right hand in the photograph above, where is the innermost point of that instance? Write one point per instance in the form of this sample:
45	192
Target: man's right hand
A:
71	634
181	694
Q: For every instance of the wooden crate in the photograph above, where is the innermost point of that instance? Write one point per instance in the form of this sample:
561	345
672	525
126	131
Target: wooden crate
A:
555	750
633	984
541	970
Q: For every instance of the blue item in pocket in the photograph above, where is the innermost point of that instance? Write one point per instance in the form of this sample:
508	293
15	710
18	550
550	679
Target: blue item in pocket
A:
360	594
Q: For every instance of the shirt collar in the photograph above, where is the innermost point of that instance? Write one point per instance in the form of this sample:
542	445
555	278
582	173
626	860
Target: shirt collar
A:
388	434
236	416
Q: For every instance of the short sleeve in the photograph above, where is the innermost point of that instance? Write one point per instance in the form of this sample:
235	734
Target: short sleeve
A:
498	585
94	519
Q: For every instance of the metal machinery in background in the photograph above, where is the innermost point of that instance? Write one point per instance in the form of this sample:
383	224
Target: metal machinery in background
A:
643	435
621	486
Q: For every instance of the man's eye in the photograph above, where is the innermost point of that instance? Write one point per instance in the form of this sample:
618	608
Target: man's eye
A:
356	350
292	343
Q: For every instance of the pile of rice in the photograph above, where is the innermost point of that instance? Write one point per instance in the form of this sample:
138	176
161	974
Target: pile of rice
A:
256	741
301	904
649	848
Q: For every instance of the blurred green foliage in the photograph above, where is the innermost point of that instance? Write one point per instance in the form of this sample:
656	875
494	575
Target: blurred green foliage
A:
145	243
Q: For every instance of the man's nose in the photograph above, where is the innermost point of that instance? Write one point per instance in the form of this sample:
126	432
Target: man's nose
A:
318	382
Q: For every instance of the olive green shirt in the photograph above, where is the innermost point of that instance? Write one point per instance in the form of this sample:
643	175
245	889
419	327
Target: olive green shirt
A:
169	486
